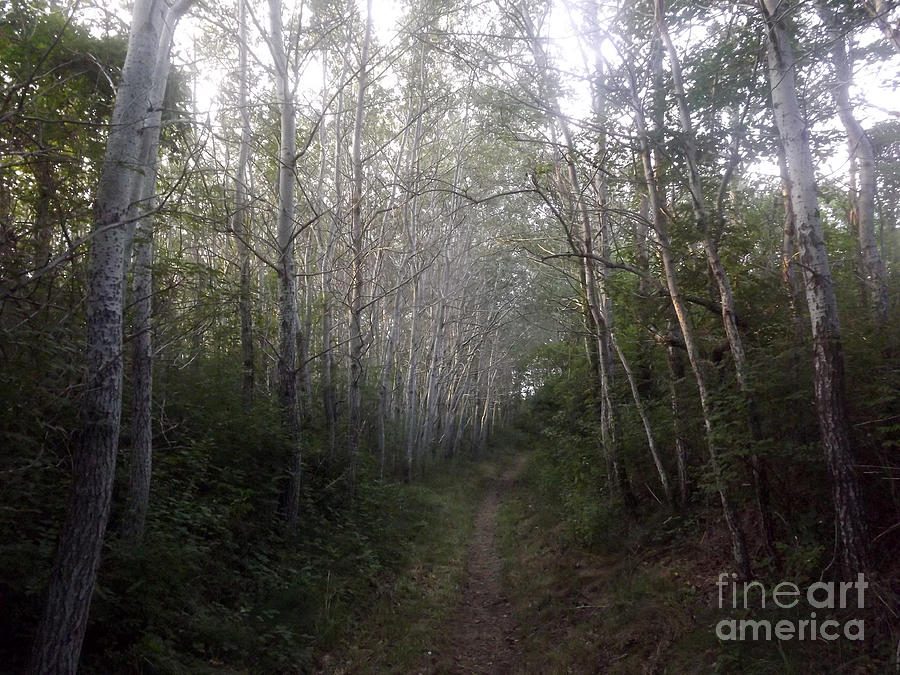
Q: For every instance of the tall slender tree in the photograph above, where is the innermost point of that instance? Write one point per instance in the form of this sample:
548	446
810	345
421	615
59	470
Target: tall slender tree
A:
356	251
703	219
240	222
658	218
59	638
287	302
862	168
828	355
143	207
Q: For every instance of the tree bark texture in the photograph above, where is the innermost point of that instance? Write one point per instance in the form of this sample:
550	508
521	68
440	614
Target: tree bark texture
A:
287	302
356	251
60	634
862	198
828	357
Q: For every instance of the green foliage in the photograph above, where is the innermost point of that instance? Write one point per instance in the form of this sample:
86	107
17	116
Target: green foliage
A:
217	582
56	93
780	378
645	593
37	415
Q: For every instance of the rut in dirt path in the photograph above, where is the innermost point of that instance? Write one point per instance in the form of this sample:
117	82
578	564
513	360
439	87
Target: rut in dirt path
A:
480	637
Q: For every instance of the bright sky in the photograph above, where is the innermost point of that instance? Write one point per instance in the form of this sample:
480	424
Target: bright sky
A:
568	51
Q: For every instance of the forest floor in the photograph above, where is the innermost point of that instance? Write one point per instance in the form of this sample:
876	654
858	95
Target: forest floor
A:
404	626
449	611
481	636
502	585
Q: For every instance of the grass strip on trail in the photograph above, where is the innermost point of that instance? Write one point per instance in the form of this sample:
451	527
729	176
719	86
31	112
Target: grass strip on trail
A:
399	628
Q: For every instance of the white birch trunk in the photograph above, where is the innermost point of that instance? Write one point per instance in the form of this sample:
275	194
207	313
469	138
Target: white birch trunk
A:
240	226
739	546
862	198
828	357
287	302
356	251
60	634
137	498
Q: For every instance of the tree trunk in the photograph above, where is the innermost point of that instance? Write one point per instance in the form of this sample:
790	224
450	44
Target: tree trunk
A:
828	352
144	191
592	348
703	220
329	394
482	435
739	546
356	244
411	226
600	310
240	225
412	382
676	375
862	199
878	9
304	338
138	497
434	365
390	345
384	380
788	238
651	443
287	302
60	634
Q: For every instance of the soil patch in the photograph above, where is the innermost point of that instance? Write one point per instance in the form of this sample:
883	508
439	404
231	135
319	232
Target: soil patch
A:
480	638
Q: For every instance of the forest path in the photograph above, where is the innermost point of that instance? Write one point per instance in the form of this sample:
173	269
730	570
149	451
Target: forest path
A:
480	633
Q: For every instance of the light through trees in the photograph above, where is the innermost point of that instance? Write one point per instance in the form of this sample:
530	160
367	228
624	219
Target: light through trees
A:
385	229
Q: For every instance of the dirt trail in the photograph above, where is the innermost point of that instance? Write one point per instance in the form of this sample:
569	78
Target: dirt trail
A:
480	634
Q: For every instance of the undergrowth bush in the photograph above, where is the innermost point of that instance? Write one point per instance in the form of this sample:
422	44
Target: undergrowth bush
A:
217	582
